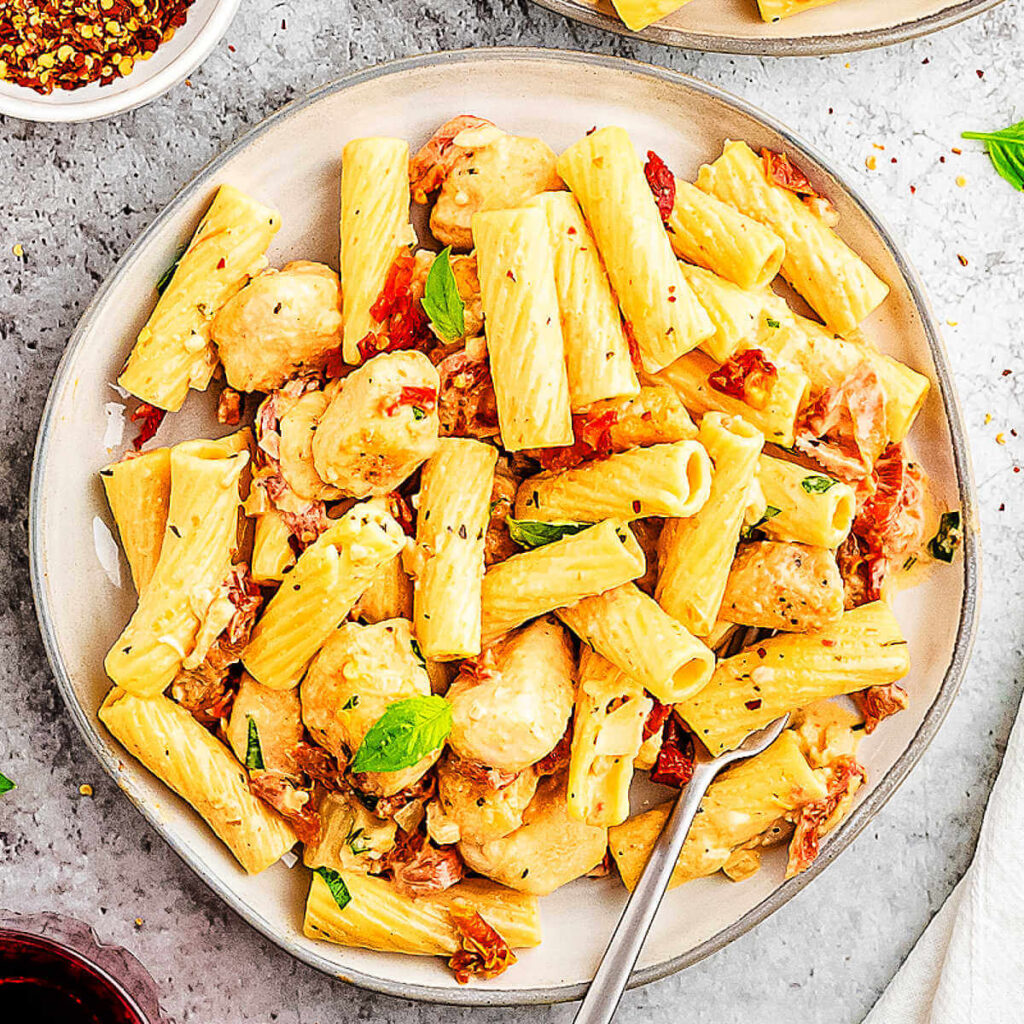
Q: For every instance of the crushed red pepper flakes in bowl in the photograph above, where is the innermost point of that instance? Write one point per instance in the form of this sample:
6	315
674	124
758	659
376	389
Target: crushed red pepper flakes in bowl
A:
67	44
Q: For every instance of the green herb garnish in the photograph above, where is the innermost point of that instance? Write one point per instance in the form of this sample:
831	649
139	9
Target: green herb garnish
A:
529	533
404	734
1006	151
5	784
817	484
357	842
418	652
253	750
339	890
165	278
753	531
418	413
441	300
772	322
351	703
944	544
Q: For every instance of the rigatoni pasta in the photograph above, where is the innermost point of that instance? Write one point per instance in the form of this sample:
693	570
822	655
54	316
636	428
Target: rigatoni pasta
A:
606	177
807	506
515	261
173	352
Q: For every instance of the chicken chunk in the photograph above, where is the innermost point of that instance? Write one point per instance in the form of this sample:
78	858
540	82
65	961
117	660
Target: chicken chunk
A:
381	425
478	167
282	323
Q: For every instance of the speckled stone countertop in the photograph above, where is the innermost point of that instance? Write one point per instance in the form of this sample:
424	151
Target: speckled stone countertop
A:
74	197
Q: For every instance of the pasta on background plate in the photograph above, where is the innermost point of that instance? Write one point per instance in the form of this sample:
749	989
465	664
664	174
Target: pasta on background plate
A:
571	496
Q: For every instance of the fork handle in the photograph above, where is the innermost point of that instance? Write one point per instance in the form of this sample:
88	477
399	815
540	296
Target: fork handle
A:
605	992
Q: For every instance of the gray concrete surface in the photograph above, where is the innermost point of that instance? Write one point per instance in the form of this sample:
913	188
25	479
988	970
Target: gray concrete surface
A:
75	197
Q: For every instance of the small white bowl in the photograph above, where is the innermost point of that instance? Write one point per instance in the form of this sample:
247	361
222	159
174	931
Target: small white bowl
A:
206	24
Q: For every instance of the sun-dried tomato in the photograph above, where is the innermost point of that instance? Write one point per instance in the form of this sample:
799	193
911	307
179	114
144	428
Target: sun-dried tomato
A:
404	325
151	418
662	183
484	952
418	867
656	718
815	819
779	170
879	702
557	758
334	366
749	376
593	440
674	766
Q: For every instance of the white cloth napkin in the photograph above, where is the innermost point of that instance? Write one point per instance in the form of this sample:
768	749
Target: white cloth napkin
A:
968	965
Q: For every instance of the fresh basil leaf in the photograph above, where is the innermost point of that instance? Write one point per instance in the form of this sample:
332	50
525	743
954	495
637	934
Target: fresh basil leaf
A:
418	652
944	544
5	784
1006	151
339	890
253	750
817	484
772	322
404	734
165	278
441	300
529	533
418	413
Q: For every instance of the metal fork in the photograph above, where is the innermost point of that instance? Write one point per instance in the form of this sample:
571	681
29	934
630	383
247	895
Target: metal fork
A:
605	992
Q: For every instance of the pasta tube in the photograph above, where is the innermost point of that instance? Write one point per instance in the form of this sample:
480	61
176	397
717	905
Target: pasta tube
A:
776	419
793	587
739	806
638	14
611	709
596	351
195	557
663	480
173	351
272	554
515	262
380	917
536	582
138	491
812	508
695	554
838	285
375	229
790	670
716	236
633	633
606	176
454	511
200	769
735	313
321	590
389	595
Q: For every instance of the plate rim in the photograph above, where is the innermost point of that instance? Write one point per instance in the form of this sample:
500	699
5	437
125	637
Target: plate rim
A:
803	46
846	832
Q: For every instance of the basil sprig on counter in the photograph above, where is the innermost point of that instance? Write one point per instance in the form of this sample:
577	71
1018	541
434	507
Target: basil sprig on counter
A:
404	734
253	750
339	890
5	784
529	533
817	484
1006	151
441	299
945	542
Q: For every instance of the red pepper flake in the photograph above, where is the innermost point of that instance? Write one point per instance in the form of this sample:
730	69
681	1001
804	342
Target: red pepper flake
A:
510	275
424	399
828	643
67	44
980	73
749	376
662	183
780	171
1006	373
636	507
151	418
913	189
752	705
231	49
221	263
962	259
762	653
570	230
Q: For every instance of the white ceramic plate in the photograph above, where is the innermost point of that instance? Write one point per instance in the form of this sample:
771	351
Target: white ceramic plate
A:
734	26
293	160
207	22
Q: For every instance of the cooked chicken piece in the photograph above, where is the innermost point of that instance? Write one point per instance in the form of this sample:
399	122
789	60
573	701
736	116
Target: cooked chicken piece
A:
282	323
478	167
381	425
